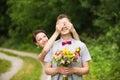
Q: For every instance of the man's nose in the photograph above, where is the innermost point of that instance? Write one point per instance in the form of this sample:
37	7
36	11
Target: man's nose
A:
64	25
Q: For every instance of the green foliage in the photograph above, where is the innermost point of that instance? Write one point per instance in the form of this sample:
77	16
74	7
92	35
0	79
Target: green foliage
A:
31	69
28	16
4	19
108	14
97	22
4	65
29	47
105	53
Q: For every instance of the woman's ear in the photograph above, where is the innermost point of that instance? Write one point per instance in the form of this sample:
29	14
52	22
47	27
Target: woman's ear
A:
36	44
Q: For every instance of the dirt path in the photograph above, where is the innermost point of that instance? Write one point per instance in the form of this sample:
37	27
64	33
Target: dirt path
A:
16	66
42	77
21	53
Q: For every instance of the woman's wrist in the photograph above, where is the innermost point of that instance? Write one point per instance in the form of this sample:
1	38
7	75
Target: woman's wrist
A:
57	32
73	31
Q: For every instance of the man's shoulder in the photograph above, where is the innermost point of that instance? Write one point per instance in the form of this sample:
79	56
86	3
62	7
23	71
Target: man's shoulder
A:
79	42
57	41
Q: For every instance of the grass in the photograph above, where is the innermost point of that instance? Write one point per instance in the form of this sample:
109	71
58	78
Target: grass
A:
31	70
4	65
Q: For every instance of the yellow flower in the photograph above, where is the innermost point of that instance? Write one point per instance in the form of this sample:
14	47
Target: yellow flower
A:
64	51
78	49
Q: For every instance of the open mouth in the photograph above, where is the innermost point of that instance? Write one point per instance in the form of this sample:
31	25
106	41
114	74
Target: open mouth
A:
64	29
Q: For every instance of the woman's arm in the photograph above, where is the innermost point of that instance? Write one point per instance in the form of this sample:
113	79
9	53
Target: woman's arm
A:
50	43
73	31
75	34
47	46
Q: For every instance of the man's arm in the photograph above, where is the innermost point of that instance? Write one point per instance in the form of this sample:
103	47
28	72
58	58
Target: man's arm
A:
53	71
83	70
77	70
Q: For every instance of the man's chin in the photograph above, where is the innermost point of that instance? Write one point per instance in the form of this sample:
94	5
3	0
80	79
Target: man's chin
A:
65	32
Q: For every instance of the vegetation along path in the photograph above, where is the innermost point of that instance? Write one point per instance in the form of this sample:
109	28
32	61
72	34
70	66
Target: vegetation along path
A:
16	63
16	66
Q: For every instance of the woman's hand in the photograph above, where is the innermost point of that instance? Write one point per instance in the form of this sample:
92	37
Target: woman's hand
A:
70	27
72	30
59	27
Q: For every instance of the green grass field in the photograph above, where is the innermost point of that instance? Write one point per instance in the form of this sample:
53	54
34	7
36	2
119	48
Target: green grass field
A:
4	65
31	70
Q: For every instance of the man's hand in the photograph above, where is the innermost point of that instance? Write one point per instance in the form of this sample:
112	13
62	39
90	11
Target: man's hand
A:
65	70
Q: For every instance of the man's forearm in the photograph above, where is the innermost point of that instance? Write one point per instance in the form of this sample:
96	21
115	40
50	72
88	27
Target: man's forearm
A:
51	71
81	71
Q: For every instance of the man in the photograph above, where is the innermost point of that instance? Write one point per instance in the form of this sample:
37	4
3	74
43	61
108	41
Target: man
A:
78	68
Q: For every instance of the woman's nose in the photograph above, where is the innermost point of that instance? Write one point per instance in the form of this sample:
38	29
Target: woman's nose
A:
44	39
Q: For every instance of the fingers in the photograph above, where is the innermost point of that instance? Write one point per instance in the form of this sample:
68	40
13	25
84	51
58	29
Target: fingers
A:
65	70
70	26
59	27
61	70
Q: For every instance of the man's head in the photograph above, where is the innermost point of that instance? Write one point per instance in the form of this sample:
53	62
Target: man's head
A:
63	20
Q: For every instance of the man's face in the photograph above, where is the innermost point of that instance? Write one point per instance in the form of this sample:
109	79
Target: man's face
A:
64	22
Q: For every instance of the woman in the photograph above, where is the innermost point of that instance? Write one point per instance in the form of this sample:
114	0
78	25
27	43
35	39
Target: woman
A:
40	38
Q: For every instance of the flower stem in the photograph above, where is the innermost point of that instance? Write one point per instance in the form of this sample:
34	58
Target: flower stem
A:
65	77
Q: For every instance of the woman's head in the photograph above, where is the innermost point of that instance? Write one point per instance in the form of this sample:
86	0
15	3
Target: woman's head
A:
40	38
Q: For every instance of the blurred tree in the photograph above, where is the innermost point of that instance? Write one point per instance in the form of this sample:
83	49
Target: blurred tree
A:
4	18
28	16
97	22
108	13
4	21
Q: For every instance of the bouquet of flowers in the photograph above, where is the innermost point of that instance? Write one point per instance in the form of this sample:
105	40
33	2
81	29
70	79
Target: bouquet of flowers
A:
65	58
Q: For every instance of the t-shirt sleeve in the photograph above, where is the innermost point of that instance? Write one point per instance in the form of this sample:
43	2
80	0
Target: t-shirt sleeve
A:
85	54
48	57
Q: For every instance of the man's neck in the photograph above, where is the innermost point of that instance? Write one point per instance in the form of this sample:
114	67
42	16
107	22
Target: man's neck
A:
66	36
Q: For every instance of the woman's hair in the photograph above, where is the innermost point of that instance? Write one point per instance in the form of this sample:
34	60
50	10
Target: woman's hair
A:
36	32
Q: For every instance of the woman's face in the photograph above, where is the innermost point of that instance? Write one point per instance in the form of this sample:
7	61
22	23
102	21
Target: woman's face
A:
41	39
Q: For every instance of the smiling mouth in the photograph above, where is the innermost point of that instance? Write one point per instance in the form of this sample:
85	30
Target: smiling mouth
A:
64	29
